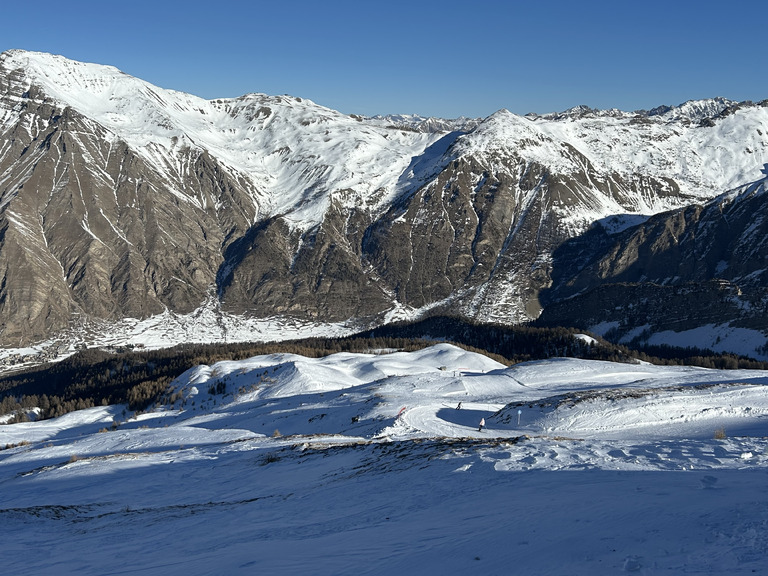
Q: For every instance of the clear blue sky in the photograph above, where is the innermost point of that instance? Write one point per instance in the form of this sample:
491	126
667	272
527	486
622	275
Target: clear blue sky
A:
442	58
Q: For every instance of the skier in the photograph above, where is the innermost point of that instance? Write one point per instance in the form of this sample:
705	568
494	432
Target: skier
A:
459	406
482	424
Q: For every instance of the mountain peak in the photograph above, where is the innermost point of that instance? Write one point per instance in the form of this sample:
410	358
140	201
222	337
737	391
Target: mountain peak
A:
42	66
693	110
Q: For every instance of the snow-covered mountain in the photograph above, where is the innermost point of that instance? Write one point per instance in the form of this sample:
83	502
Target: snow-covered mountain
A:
424	123
119	199
362	464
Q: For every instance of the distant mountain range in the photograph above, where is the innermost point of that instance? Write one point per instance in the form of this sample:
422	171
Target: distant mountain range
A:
119	199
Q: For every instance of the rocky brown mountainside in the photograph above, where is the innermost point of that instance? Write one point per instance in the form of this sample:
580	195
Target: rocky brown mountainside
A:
120	199
680	270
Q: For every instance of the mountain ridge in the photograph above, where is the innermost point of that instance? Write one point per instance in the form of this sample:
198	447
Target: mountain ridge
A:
120	200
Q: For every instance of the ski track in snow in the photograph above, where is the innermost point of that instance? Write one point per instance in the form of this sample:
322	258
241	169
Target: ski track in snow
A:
612	468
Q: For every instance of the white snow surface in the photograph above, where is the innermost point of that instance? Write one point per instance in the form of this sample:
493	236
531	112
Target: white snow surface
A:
720	338
703	161
708	160
583	467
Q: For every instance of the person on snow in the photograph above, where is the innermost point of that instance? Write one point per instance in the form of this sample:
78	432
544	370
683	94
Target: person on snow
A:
482	424
459	406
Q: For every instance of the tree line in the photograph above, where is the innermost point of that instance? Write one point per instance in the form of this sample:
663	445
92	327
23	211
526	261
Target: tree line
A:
139	379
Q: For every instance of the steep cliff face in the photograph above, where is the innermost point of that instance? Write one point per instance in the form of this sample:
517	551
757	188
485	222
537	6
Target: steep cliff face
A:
120	199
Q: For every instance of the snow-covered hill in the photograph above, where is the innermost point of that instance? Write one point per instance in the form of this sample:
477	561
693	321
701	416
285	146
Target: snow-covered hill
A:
363	464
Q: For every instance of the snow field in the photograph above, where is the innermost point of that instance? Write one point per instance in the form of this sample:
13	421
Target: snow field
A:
613	468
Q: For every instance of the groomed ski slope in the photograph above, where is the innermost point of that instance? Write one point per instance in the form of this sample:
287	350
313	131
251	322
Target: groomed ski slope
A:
362	464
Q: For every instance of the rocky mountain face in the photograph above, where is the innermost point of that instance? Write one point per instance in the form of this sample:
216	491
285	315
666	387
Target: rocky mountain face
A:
88	227
679	270
121	199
